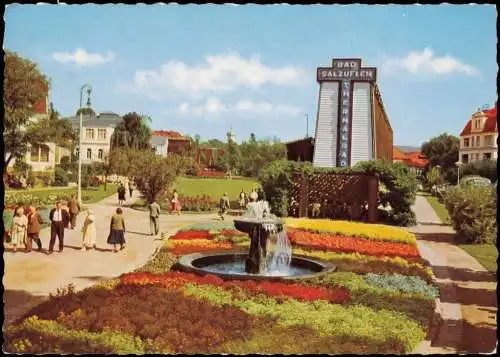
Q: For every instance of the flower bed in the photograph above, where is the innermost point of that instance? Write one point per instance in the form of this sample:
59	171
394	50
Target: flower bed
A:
380	300
355	229
340	243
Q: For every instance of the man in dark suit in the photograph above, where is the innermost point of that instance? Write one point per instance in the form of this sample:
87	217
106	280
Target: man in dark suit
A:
59	219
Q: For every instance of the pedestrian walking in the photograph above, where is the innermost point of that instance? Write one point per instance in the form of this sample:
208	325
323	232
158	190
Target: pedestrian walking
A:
34	221
74	209
89	231
131	187
19	228
223	205
59	219
154	216
121	194
176	204
117	230
242	199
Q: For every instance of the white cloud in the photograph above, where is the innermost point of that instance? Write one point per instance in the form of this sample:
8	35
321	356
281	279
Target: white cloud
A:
214	107
82	58
220	73
426	62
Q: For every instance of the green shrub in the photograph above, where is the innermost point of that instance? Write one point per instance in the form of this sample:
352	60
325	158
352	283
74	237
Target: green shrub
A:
60	177
8	216
472	212
483	168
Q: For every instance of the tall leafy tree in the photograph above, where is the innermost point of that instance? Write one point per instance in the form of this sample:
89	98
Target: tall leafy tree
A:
24	87
442	150
132	132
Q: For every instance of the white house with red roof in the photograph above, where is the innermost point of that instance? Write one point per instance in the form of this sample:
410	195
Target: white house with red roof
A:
166	142
478	140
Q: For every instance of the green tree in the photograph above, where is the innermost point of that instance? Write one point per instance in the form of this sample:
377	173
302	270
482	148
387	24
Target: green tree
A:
443	151
24	87
433	177
53	129
132	132
85	111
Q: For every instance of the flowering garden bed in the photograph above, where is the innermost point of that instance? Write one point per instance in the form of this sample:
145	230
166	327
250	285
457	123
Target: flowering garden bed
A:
380	300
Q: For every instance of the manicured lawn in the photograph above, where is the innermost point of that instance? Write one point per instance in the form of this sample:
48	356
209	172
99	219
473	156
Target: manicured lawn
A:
439	208
214	187
486	254
379	301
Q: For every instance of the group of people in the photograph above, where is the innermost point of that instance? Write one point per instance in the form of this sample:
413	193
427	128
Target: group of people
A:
26	227
243	200
122	191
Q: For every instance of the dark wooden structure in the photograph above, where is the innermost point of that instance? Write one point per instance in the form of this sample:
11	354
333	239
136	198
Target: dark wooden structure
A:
300	150
333	195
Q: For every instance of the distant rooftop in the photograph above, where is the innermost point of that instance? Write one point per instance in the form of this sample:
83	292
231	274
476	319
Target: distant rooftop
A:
408	148
102	120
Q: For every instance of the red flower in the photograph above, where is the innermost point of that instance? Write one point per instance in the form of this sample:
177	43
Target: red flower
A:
325	241
184	235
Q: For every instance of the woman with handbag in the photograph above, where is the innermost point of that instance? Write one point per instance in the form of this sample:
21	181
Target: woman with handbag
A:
117	230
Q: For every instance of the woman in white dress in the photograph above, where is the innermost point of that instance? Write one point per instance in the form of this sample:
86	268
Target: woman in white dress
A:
19	228
89	231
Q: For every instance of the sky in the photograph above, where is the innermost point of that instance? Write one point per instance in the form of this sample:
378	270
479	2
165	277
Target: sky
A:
206	69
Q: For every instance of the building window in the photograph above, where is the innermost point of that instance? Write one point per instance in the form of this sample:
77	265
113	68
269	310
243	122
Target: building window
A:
465	158
478	141
77	153
488	140
34	153
100	154
477	157
44	153
89	153
101	134
487	156
466	142
89	133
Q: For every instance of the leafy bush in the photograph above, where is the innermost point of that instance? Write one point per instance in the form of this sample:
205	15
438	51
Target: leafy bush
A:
8	216
483	168
472	212
401	186
61	177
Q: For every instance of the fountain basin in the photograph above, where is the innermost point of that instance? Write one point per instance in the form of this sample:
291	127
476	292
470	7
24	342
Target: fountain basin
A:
231	265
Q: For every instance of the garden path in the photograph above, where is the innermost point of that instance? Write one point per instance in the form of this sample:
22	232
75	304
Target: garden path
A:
29	278
468	303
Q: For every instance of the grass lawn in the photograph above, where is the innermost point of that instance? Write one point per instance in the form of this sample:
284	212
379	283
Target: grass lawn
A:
486	254
439	208
214	187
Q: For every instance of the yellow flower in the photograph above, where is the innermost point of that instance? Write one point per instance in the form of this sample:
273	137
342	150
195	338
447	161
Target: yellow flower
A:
354	229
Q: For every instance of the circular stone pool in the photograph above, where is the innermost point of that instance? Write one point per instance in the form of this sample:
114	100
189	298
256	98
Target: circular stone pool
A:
231	265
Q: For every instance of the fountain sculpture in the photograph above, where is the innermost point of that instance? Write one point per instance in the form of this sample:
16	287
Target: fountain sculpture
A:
269	257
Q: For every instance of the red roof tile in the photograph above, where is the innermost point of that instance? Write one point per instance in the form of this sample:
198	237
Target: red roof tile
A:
412	159
41	107
167	133
490	124
397	154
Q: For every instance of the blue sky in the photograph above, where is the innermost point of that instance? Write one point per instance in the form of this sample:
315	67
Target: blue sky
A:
202	69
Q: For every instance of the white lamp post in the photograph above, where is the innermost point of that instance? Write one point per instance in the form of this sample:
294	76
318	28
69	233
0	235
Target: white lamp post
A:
458	164
80	151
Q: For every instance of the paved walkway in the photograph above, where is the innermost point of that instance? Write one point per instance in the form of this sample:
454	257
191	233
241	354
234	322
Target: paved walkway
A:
29	278
468	302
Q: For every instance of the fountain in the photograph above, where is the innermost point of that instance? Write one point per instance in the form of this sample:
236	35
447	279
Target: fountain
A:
269	257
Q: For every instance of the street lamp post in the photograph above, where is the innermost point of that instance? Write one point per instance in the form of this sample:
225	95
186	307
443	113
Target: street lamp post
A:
458	164
80	151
